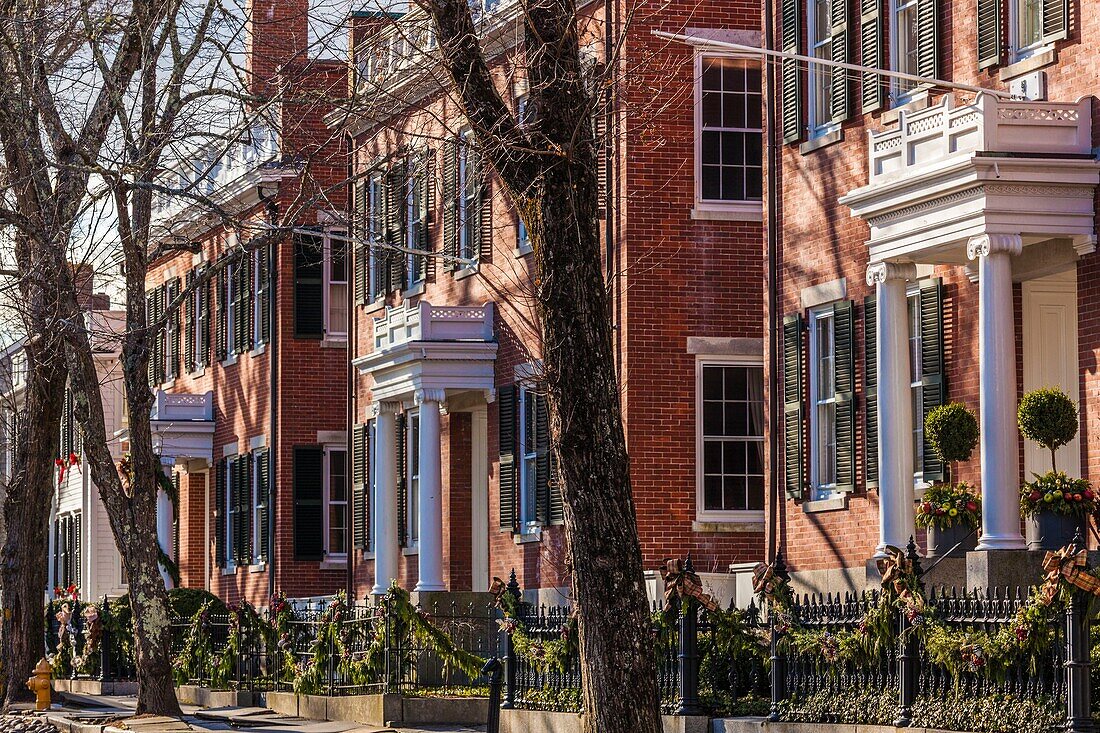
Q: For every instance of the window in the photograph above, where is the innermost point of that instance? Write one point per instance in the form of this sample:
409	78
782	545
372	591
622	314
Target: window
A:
412	485
818	13
530	404
198	323
261	301
67	550
374	229
415	219
1027	27
171	333
729	155
229	310
232	511
372	483
336	281
822	404
336	502
903	47
916	380
259	506
731	425
468	195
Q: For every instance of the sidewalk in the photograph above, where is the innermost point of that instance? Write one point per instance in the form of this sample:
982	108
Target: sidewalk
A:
104	713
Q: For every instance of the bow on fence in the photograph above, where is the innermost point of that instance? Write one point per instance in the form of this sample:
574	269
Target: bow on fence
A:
1068	564
681	582
898	575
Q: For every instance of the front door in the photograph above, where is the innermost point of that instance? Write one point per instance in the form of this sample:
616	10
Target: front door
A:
1051	358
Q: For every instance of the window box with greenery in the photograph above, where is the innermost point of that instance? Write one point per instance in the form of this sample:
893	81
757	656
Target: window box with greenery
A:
1055	504
951	512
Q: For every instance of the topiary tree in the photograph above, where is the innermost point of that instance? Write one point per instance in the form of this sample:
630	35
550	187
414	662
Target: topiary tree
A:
952	431
1049	417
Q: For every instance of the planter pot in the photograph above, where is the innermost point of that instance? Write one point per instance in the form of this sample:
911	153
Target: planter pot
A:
1049	531
940	541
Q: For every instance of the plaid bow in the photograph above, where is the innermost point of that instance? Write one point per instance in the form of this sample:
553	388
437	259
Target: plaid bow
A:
1068	564
681	583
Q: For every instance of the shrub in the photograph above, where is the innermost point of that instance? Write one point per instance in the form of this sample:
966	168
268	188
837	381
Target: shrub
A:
1048	417
952	430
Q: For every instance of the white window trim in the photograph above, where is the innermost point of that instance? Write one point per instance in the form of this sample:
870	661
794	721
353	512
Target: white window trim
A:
230	314
746	210
898	97
326	262
257	530
818	492
230	562
528	501
919	484
814	127
326	498
412	519
415	211
257	306
1017	53
462	210
197	356
375	184
702	515
371	488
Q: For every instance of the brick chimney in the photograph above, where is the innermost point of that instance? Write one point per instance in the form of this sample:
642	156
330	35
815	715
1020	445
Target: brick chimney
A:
277	32
84	283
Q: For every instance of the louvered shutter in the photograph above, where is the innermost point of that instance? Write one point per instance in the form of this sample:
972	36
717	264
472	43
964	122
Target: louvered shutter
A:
236	520
189	326
150	338
483	209
401	456
359	486
542	461
844	385
602	143
309	296
263	291
450	203
928	39
308	502
791	33
219	512
933	382
221	318
359	249
66	446
793	470
840	98
871	54
263	491
1055	20
557	504
77	549
507	434
172	332
426	197
203	356
243	541
989	33
396	201
870	391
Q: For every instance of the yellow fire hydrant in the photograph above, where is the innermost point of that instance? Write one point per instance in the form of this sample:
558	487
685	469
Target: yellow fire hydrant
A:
39	684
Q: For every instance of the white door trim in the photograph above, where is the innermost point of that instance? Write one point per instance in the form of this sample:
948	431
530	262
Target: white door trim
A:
479	504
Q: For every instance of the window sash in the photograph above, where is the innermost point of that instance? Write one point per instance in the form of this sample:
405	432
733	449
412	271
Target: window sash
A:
331	471
819	76
336	284
713	160
903	47
412	485
716	441
467	200
916	377
374	233
231	517
1027	27
415	217
529	458
823	403
259	503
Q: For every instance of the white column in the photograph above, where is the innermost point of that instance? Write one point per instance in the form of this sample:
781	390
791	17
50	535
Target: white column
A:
431	492
386	549
164	529
895	404
997	388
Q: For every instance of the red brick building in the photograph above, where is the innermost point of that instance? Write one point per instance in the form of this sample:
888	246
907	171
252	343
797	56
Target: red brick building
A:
252	371
452	472
935	245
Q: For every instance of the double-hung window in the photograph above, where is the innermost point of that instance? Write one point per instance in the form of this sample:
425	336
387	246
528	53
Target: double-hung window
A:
335	494
823	455
415	219
916	382
374	231
336	283
729	157
1026	27
818	14
229	307
529	458
232	510
412	485
731	431
903	47
468	194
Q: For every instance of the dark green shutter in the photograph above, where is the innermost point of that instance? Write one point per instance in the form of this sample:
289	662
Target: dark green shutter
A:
870	391
840	98
791	34
927	39
263	291
793	468
933	381
1056	19
507	433
150	341
219	512
172	335
482	246
308	502
359	485
359	249
396	202
242	540
542	460
203	356
557	504
844	385
450	203
221	318
989	33
871	54
401	454
309	283
78	549
189	316
426	196
263	490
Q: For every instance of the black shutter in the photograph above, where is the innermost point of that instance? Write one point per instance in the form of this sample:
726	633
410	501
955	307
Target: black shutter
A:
308	502
203	344
871	54
309	282
172	331
844	385
221	341
483	208
450	203
219	512
1055	20
359	486
66	425
263	291
507	433
401	456
396	216
242	540
870	391
150	337
791	34
263	490
189	316
248	282
601	141
426	196
989	33
542	461
927	39
933	380
793	471
359	249
840	98
557	505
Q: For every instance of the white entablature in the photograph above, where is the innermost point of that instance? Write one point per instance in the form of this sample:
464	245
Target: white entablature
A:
946	174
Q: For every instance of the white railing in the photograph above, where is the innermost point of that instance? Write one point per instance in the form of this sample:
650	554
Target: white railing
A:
427	322
183	407
988	124
213	167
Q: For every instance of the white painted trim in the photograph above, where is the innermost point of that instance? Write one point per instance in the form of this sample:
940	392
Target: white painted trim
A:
208	561
816	314
333	558
479	511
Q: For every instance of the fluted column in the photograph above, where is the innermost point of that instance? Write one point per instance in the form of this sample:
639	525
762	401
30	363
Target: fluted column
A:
895	403
431	492
997	389
386	548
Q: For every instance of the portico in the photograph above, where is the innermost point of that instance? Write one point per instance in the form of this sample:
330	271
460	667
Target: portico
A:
1004	189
